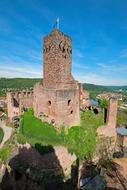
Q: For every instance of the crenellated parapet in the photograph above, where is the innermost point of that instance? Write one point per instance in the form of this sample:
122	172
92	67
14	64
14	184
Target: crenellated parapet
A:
21	94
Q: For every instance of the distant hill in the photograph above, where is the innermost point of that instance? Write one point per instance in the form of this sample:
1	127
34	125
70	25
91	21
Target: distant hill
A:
18	83
104	88
97	89
23	83
118	88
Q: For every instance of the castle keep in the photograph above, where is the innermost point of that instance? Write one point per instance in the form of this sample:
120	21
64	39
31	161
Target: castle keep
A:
57	100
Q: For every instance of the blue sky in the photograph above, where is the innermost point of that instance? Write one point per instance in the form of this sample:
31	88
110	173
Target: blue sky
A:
98	29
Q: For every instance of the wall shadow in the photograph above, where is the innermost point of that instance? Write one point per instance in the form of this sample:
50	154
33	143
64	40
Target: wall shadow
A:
36	169
110	188
114	175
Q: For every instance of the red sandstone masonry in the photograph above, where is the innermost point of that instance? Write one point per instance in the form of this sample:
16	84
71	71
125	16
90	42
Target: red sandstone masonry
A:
112	112
58	61
16	101
57	101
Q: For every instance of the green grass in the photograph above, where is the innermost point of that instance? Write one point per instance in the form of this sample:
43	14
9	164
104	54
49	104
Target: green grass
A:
34	128
1	134
4	154
80	140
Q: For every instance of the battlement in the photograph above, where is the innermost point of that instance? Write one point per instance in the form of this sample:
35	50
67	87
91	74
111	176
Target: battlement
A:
20	94
57	32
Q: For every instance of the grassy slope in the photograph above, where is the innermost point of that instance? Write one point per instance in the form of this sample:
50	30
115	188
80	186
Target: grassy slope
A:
34	128
80	140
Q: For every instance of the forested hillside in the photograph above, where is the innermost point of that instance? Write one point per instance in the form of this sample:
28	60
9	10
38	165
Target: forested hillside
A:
97	89
16	84
21	83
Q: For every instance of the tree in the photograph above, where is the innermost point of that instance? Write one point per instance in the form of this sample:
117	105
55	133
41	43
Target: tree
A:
104	105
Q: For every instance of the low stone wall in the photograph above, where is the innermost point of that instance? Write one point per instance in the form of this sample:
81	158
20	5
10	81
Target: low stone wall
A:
32	170
105	148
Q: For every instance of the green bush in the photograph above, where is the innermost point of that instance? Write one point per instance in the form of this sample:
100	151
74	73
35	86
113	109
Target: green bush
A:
21	139
4	154
82	140
1	135
103	103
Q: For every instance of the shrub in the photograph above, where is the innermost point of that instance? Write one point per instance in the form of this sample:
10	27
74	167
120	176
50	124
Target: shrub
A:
21	139
4	154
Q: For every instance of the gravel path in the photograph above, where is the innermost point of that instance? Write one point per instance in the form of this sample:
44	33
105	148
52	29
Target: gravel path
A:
7	132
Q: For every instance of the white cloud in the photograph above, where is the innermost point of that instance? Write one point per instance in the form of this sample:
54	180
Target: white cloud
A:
98	79
78	54
77	65
27	72
12	72
113	67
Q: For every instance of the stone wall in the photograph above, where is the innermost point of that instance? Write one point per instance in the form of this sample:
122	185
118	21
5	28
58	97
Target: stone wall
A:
122	143
112	112
59	107
106	146
107	136
17	101
34	171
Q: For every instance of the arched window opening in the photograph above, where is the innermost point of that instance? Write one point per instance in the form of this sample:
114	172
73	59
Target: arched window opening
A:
71	112
49	103
69	101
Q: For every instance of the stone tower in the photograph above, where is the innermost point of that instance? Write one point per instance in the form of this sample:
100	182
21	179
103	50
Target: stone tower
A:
57	60
57	100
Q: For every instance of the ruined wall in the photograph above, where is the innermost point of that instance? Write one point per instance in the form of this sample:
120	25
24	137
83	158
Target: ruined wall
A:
57	106
110	129
125	141
34	171
12	110
106	146
84	97
16	101
107	136
112	112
